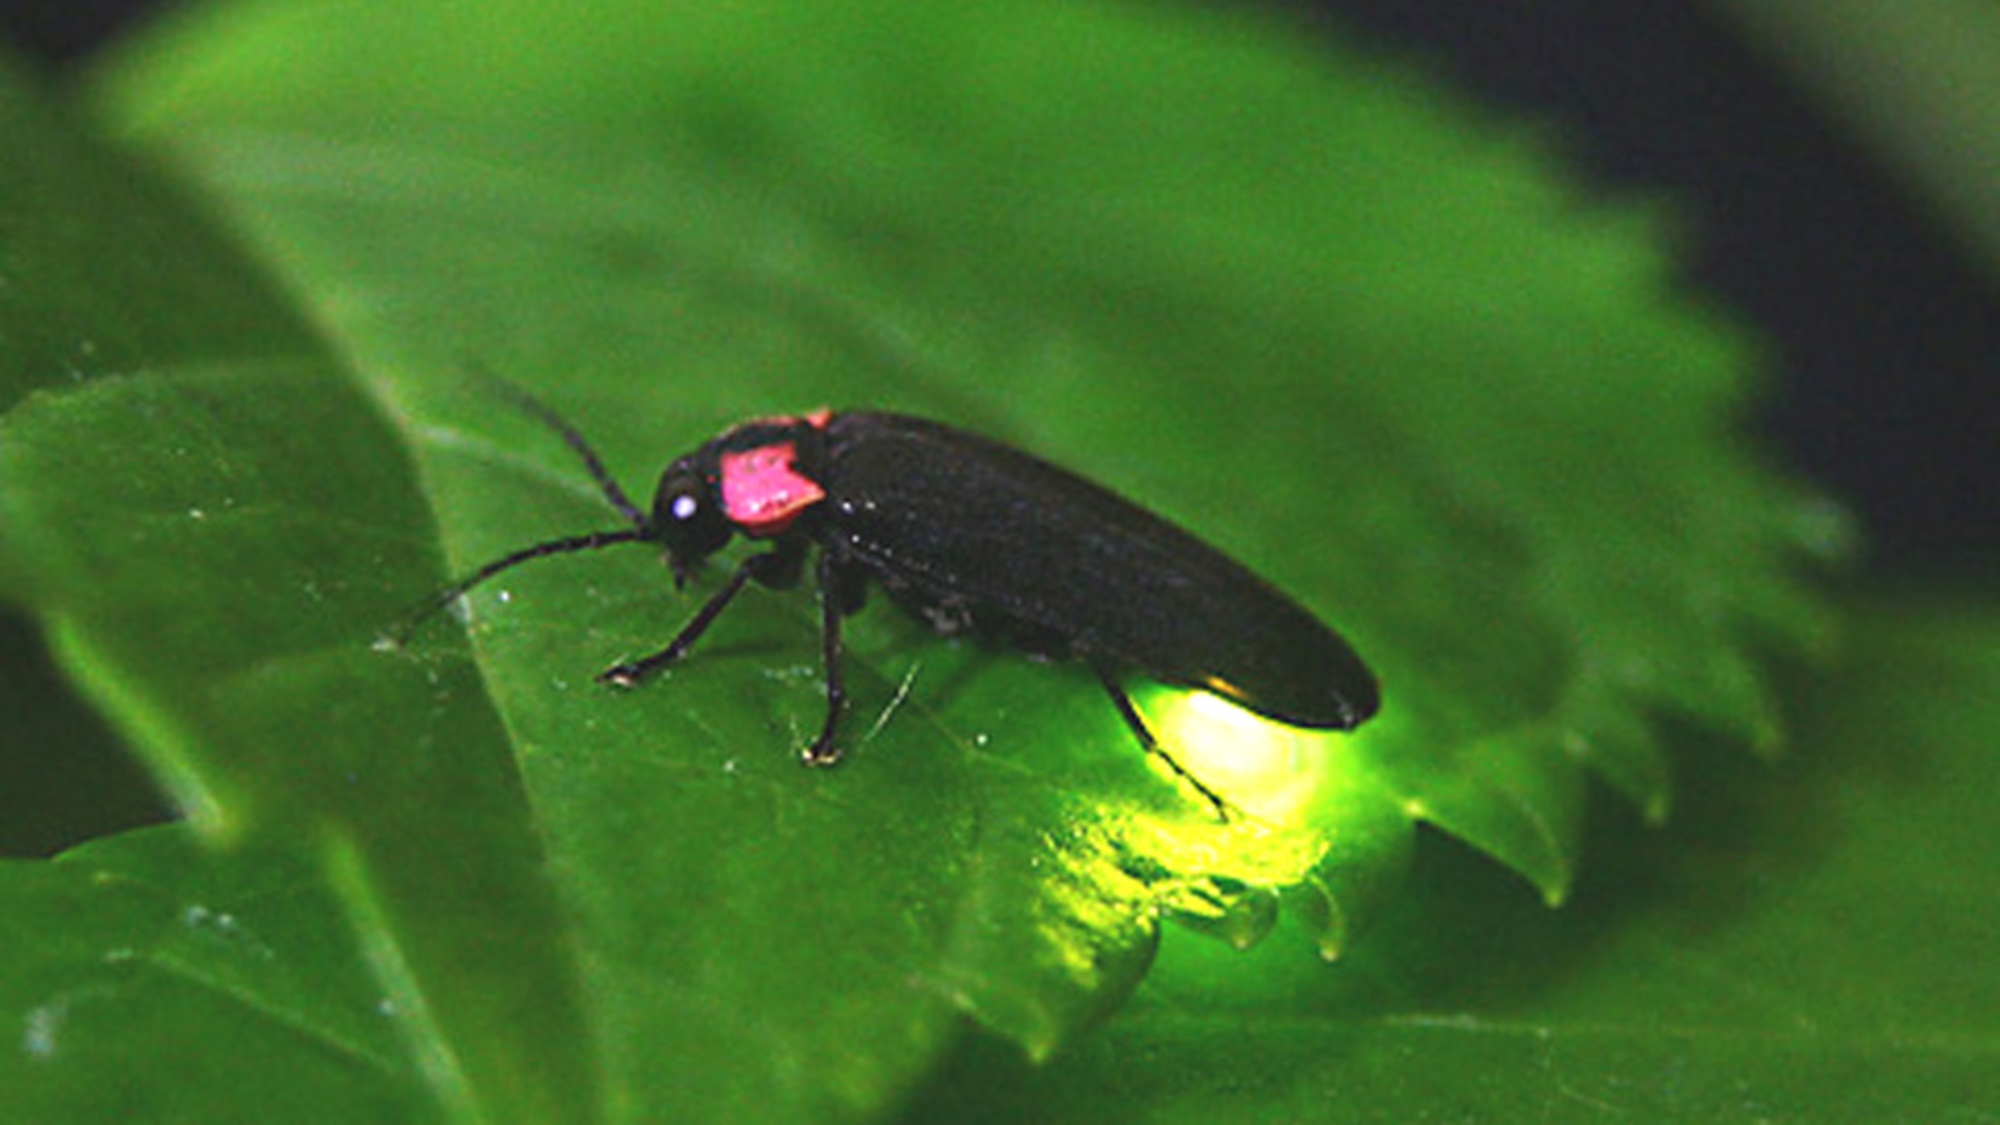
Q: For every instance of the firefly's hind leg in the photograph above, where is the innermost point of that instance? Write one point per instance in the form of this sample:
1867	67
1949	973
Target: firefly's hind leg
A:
1151	745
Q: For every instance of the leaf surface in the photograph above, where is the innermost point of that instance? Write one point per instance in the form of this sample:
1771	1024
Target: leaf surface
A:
1291	301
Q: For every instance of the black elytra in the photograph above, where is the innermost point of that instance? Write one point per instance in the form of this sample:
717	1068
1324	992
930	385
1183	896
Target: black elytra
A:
971	536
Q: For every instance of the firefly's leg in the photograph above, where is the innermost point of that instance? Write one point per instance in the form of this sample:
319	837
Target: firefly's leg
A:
777	568
1148	743
832	596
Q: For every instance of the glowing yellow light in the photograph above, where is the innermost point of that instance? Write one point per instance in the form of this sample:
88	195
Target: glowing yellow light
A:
1292	792
1268	769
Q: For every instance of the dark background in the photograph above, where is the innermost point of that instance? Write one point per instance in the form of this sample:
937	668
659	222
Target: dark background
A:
1885	331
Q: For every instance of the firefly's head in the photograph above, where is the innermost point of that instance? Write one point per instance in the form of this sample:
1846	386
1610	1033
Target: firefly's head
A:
688	515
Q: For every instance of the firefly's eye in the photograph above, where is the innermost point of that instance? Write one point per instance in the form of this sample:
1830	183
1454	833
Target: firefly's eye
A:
686	516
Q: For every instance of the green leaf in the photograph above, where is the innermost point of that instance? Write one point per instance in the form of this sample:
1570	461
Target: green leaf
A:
145	956
1289	300
1807	943
1533	521
82	300
208	528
